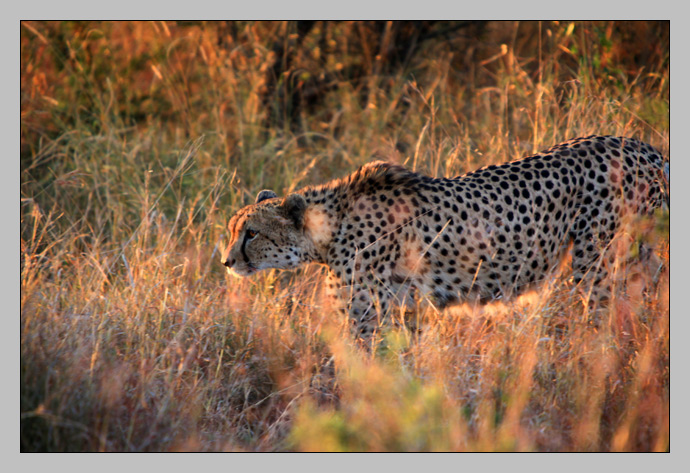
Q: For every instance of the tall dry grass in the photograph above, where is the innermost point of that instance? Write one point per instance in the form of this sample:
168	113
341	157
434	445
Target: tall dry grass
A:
139	140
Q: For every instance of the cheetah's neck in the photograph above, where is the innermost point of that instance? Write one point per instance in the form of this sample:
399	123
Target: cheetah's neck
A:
322	217
328	204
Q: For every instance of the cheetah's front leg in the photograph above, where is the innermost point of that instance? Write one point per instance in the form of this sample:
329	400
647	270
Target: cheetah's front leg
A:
365	306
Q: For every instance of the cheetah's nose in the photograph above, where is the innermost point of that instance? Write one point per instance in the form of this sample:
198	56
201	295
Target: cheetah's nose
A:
228	262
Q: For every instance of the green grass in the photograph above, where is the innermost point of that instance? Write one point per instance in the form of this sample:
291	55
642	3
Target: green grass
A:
139	140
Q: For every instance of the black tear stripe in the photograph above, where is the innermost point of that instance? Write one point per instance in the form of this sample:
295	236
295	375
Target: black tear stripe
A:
242	250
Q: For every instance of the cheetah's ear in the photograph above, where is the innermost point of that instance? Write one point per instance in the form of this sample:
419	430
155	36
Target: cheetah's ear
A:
265	194
293	207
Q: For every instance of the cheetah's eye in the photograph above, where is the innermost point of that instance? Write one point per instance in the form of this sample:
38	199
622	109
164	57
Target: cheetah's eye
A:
251	233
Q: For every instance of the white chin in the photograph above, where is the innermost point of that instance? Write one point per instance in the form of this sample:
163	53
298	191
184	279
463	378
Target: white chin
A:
239	274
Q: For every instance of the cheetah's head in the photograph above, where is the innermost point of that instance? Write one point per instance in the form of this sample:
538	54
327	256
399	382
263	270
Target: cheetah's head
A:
267	234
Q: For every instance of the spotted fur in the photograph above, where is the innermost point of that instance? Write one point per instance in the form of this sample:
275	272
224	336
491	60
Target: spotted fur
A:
387	233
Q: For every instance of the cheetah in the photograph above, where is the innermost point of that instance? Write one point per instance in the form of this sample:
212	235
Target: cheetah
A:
387	234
